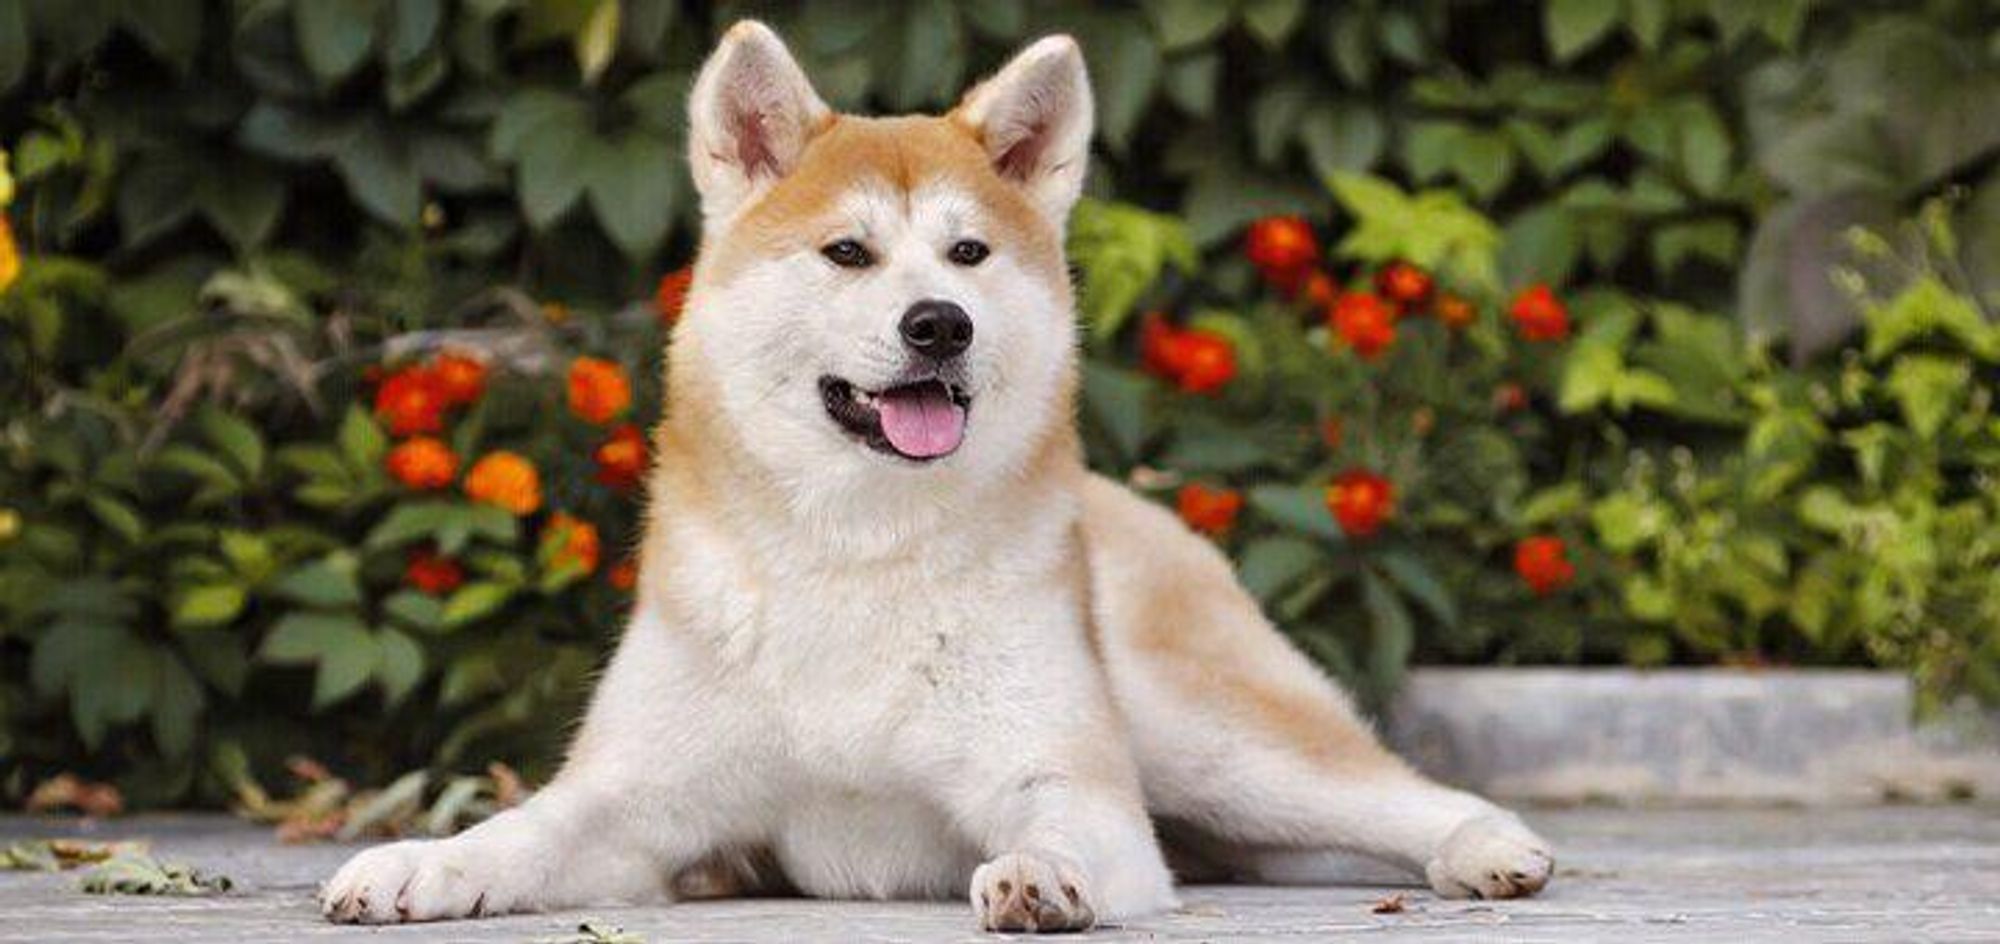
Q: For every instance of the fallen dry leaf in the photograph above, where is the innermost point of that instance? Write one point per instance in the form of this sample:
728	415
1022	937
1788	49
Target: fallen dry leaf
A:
134	873
1391	904
68	791
51	855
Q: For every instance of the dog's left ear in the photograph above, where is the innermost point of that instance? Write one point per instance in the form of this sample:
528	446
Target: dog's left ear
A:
1034	118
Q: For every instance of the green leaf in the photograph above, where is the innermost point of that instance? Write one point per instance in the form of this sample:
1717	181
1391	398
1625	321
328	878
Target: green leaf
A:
1573	26
1121	251
1350	46
308	637
634	188
155	195
1416	578
177	708
1117	400
1125	69
475	601
1298	507
1394	636
1624	522
362	439
1273	21
116	514
209	605
597	40
1342	137
1184	23
235	437
1928	390
172	29
380	174
1191	81
413	26
245	205
399	664
416	610
1271	565
14	38
327	582
334	36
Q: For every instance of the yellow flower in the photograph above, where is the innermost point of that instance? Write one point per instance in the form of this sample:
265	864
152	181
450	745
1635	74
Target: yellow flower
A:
10	255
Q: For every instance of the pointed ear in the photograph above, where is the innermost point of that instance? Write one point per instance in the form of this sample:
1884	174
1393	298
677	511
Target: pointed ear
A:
749	117
1034	119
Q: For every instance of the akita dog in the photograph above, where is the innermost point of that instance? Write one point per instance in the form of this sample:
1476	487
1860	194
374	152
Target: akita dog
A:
891	637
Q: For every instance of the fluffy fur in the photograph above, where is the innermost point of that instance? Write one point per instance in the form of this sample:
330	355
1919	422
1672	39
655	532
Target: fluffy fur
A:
990	675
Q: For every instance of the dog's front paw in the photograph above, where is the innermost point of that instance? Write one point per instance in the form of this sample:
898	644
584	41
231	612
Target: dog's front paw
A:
1493	856
1024	891
418	880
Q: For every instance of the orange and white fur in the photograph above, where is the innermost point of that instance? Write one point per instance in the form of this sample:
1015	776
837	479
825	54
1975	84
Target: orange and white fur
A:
891	637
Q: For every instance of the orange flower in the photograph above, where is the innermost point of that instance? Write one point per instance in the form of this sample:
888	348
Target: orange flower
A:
1543	563
462	377
671	296
1196	360
1211	511
1360	501
1283	248
621	459
412	400
598	389
623	575
10	254
1404	284
422	462
1454	311
506	480
1539	315
433	573
571	543
1365	322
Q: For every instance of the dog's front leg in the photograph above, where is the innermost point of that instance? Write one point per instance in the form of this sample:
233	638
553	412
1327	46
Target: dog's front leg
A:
1044	784
643	796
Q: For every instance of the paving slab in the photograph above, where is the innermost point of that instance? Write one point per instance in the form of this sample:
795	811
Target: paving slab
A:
1886	873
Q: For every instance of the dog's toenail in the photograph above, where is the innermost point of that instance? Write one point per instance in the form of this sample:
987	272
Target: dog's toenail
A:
1034	893
1069	891
1006	887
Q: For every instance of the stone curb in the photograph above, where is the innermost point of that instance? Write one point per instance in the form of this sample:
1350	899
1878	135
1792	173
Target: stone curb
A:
1690	736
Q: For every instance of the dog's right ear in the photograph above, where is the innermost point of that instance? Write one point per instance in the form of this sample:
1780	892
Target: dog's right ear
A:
750	115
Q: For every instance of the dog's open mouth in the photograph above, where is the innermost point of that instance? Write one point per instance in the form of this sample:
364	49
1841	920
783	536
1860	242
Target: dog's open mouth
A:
919	421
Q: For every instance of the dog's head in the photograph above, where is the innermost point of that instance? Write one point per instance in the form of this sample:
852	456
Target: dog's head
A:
883	296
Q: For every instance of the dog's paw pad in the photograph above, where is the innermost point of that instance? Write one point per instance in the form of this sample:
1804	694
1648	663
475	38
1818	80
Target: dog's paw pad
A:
1031	892
1491	857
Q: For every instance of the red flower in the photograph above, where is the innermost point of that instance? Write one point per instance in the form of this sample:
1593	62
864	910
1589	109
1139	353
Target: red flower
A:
623	575
412	400
1365	322
598	389
1543	563
1360	501
621	459
1283	248
1209	510
433	573
422	462
461	377
1404	284
1196	360
1539	315
1454	311
1510	398
671	295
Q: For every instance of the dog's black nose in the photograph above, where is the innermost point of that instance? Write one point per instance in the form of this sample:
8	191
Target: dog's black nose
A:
937	329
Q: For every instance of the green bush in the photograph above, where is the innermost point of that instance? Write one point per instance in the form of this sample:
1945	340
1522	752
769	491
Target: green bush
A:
242	222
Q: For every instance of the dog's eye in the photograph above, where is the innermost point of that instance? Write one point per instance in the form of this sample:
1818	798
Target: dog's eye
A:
847	254
969	252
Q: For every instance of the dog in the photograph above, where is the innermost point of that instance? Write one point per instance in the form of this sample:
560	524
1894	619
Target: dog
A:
891	638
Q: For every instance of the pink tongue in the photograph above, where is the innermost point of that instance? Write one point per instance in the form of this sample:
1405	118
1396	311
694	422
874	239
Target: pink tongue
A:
921	421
